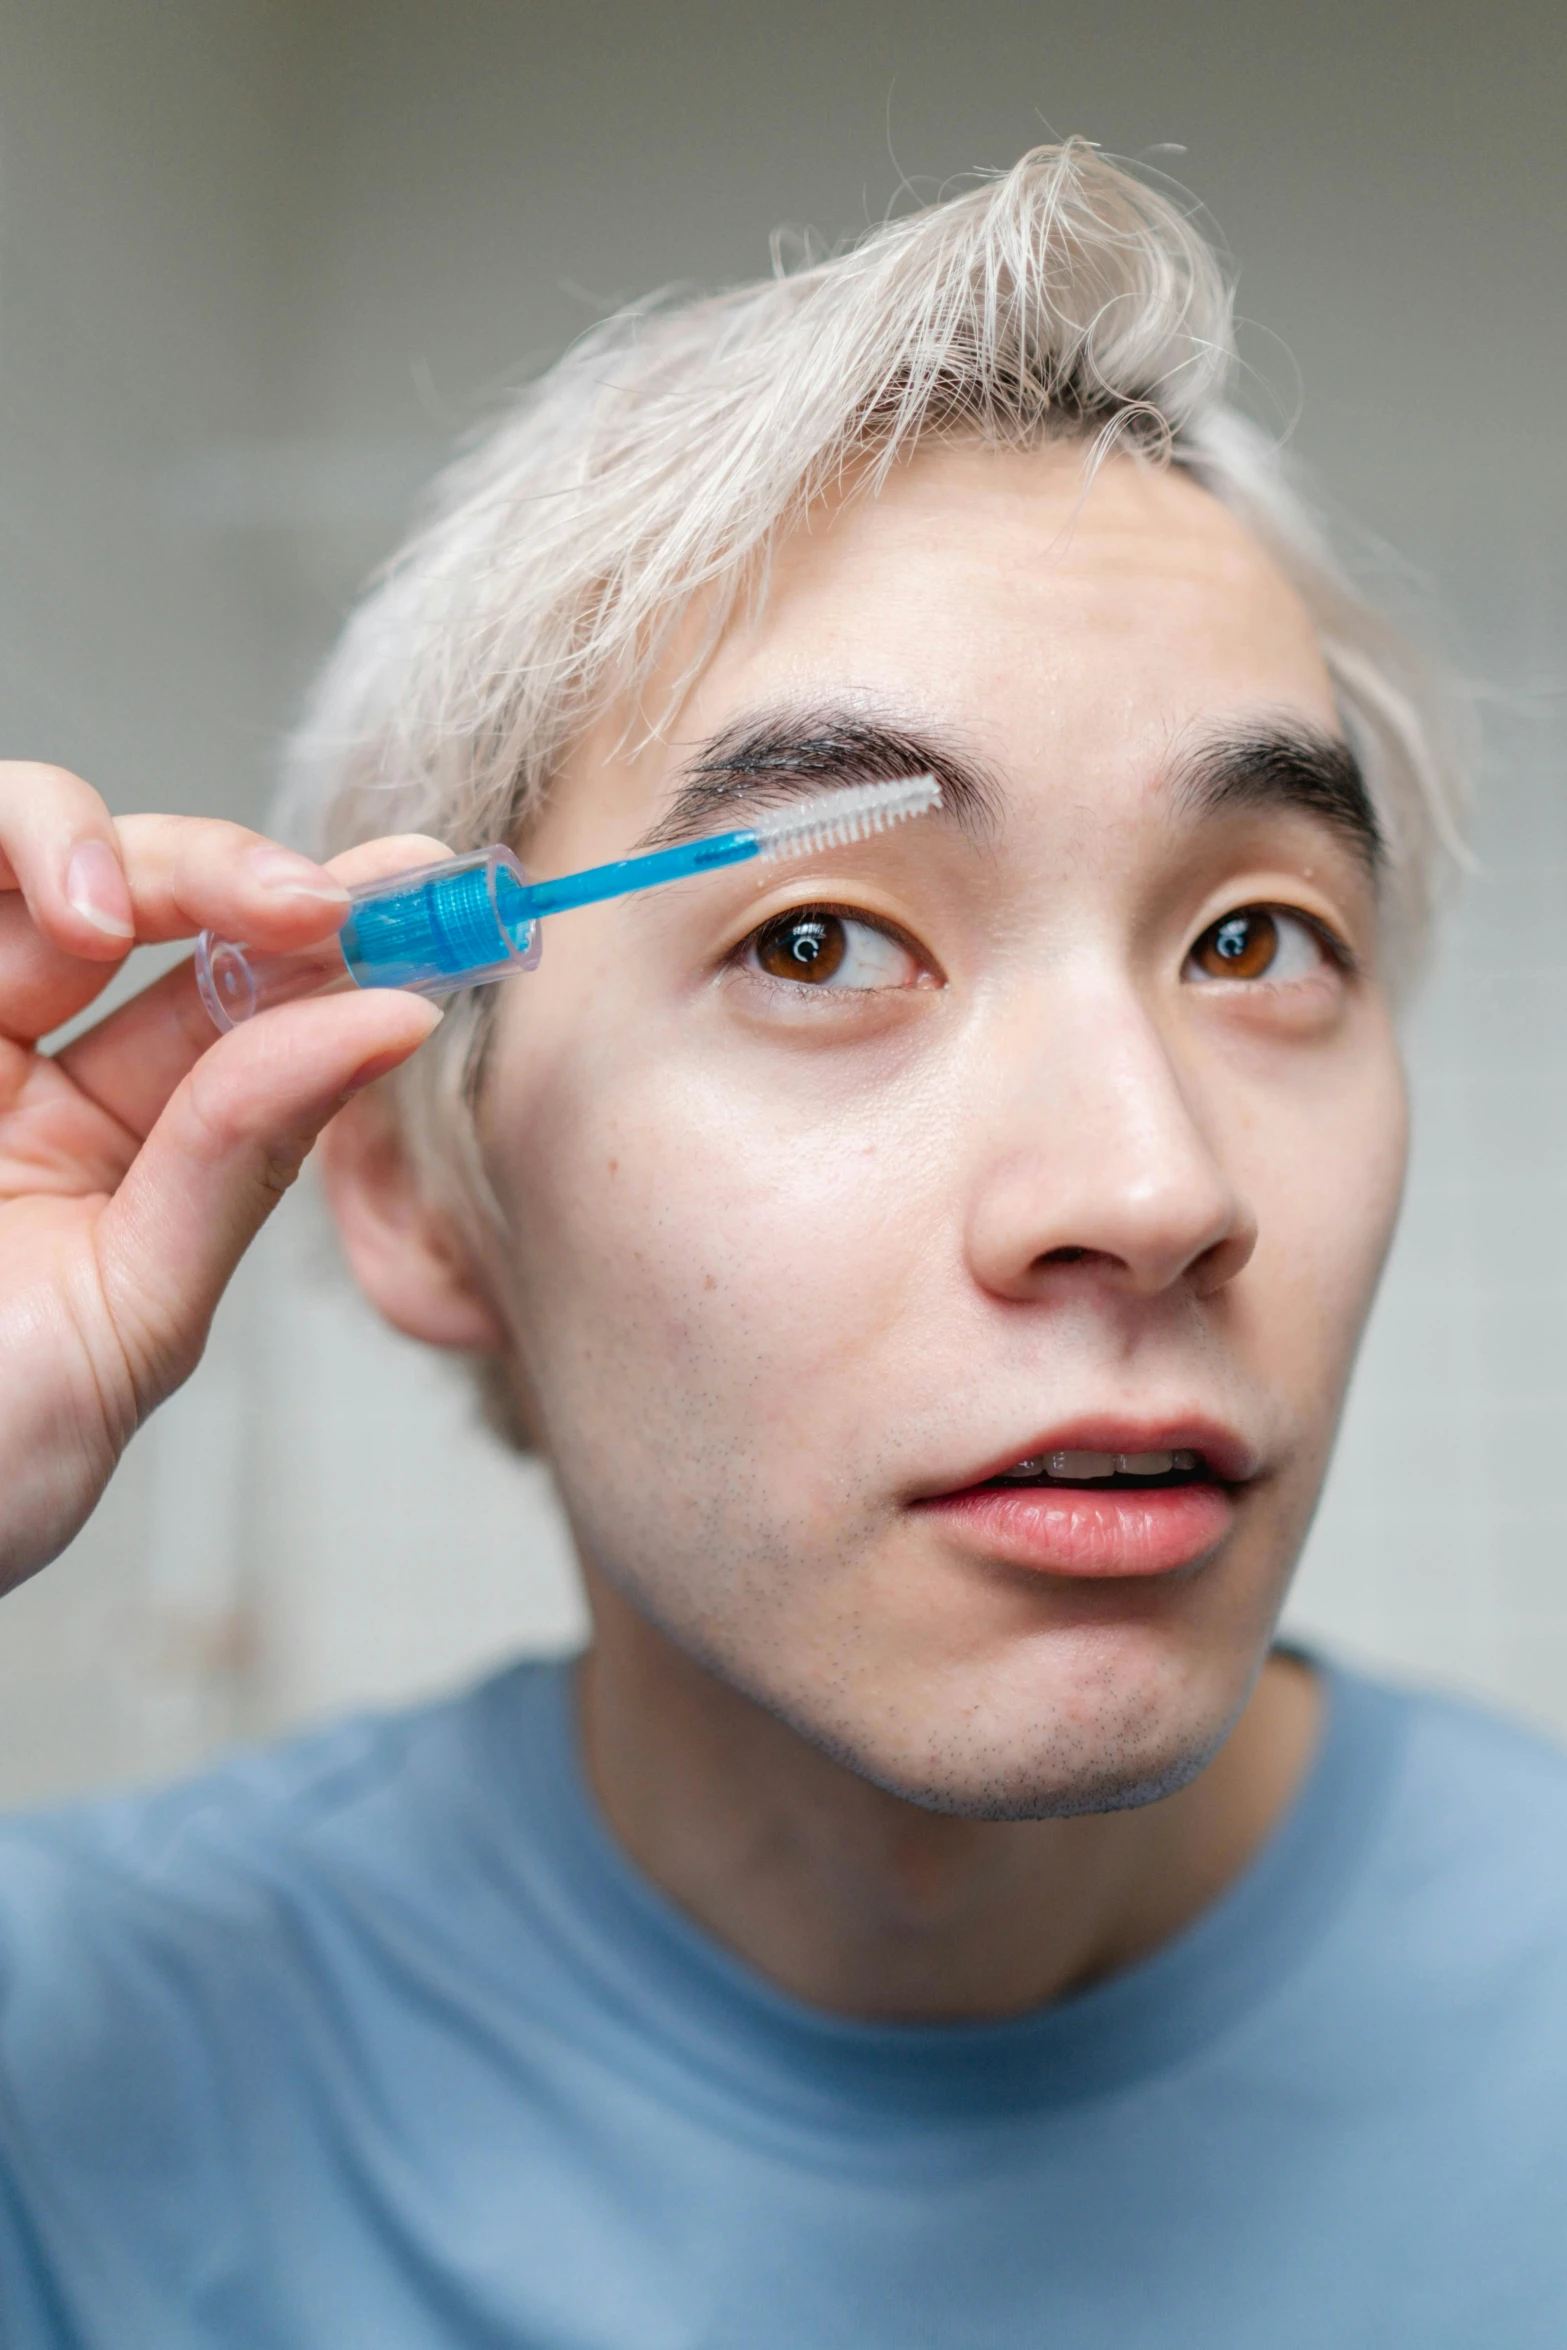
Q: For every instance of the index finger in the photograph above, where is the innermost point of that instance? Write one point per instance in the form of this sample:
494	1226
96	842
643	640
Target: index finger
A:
190	873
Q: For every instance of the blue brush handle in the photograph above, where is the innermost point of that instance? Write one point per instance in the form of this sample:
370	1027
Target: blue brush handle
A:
646	872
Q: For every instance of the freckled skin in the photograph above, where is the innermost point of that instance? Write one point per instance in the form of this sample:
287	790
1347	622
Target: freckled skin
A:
772	1275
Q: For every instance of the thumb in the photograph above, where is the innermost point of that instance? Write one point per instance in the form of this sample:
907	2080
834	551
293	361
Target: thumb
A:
228	1143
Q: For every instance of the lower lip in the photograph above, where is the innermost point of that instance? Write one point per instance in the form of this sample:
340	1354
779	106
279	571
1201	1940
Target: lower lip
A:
1072	1530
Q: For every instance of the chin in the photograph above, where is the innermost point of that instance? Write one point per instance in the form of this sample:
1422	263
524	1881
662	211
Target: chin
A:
986	1756
1051	1783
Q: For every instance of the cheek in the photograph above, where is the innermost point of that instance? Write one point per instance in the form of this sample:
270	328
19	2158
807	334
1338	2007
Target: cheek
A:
705	1266
1326	1175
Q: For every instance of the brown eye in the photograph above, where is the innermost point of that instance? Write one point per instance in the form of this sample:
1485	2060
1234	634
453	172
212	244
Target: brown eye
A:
808	946
1242	946
832	953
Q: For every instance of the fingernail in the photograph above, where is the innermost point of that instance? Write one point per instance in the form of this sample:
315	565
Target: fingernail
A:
96	888
289	875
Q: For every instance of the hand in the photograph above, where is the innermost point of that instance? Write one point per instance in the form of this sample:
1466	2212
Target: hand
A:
137	1165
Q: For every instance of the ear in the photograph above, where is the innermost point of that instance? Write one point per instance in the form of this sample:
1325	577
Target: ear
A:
405	1257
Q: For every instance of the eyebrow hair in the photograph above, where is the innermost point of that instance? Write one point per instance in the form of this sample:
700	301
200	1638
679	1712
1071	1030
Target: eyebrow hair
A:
1288	767
767	762
789	755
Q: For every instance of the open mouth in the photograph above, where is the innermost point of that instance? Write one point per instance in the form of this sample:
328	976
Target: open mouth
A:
1104	1511
1131	1472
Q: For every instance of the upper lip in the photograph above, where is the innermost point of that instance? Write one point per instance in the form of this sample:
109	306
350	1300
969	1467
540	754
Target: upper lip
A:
1227	1455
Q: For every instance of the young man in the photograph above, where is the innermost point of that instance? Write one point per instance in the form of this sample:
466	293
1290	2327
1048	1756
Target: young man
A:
932	1912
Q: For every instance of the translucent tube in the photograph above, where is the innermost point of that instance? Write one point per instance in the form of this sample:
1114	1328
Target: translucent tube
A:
431	930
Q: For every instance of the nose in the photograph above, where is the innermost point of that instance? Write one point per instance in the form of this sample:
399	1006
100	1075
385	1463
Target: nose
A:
1096	1155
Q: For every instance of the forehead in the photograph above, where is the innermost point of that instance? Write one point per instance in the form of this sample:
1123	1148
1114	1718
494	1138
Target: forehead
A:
1066	632
1000	579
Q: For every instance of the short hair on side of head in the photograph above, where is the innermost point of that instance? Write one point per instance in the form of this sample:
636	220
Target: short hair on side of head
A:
661	458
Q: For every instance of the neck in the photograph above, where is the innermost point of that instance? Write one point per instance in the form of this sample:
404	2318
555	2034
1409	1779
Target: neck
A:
858	1902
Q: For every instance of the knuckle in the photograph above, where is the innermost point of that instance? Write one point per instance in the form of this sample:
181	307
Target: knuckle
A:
214	1126
281	1164
224	1113
154	1351
33	788
42	775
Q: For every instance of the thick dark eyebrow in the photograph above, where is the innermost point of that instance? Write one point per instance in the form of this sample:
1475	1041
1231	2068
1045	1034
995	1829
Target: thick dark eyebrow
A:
785	756
1285	767
768	762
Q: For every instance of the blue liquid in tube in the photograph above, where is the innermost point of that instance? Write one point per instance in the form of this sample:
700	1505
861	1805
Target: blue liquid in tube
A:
462	921
432	930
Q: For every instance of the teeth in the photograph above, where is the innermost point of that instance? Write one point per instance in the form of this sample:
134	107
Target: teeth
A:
1081	1465
1081	1468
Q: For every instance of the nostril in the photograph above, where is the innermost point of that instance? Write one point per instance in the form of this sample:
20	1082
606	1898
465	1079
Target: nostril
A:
1220	1263
1075	1256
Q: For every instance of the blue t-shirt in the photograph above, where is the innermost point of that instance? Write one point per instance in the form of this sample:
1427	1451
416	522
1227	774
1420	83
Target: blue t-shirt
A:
378	2043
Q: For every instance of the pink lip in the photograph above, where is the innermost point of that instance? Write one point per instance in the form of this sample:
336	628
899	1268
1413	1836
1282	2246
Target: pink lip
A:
1079	1531
1072	1530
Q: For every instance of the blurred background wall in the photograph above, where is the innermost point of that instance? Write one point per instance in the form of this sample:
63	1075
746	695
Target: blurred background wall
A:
260	262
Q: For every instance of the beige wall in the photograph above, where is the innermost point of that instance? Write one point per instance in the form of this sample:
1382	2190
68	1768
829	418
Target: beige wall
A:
259	261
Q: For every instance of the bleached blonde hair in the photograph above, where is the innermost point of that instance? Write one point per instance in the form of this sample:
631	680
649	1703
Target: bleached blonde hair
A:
1066	299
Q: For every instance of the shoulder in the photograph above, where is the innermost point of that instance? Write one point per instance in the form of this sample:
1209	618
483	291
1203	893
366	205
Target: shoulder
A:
157	1879
176	1969
1467	1771
1468	1861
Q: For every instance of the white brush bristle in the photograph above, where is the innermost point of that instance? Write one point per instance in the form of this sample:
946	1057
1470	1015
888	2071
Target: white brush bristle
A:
844	813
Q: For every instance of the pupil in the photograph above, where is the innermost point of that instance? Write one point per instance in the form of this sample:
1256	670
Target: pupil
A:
803	946
1242	946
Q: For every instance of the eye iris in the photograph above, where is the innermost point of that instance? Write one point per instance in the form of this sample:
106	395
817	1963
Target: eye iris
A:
1242	946
803	946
